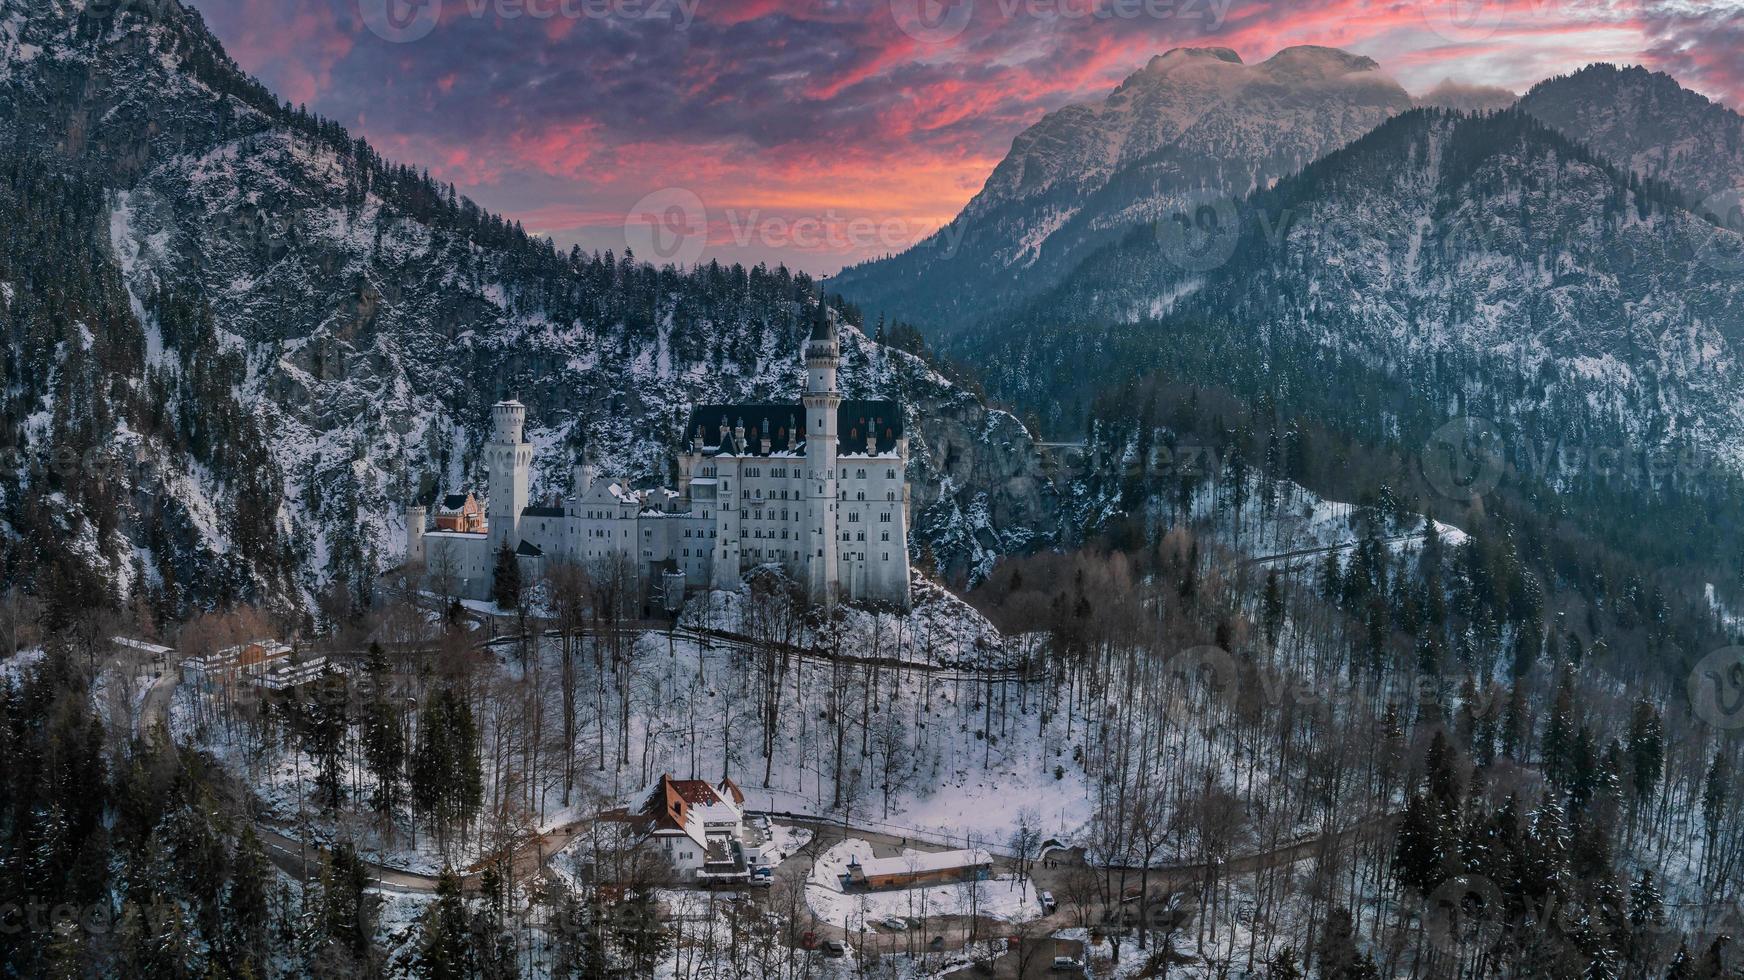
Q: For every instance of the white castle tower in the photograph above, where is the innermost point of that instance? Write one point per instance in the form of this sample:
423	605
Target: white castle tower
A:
508	460
414	535
822	399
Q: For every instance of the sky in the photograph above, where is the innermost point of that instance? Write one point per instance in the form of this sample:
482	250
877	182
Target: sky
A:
824	132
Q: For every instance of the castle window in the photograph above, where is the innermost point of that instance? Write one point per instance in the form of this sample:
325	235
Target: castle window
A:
859	474
886	536
890	474
860	495
884	518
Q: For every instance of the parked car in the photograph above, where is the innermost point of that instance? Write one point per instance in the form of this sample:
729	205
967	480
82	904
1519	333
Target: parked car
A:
835	949
1067	964
894	922
1048	903
763	877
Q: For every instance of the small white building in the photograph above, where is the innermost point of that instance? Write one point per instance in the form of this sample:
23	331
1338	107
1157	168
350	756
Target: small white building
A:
699	827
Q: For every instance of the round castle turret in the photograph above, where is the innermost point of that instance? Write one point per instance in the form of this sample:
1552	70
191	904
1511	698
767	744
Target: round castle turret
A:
510	418
414	535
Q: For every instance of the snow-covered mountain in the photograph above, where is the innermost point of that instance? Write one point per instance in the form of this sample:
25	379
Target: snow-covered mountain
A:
1193	121
1443	265
1646	122
373	315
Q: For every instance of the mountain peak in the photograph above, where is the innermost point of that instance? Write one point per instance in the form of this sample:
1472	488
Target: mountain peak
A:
1645	121
1175	56
1467	97
1312	62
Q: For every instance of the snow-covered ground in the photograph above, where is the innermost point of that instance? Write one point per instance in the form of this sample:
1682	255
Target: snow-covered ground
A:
1004	898
13	668
940	629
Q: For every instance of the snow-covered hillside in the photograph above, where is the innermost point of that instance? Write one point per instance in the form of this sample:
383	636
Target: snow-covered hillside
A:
376	314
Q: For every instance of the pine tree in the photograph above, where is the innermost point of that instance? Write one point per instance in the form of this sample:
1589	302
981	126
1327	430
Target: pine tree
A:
1558	743
1272	605
639	931
1284	965
506	579
580	952
248	914
384	737
1646	753
444	948
1337	951
1715	796
1418	860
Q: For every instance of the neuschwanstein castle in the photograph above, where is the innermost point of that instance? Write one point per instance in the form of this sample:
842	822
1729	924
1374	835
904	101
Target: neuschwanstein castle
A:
828	502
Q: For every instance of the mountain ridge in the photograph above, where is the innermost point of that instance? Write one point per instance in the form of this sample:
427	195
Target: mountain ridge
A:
1192	119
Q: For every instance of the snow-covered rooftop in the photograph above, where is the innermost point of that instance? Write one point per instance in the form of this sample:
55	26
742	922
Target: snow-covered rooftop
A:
921	862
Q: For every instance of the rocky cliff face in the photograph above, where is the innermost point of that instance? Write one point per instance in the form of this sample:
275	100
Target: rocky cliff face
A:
1193	122
378	314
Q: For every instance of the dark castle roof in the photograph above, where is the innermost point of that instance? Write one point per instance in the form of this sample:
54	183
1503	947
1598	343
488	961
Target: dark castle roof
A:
541	512
785	424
